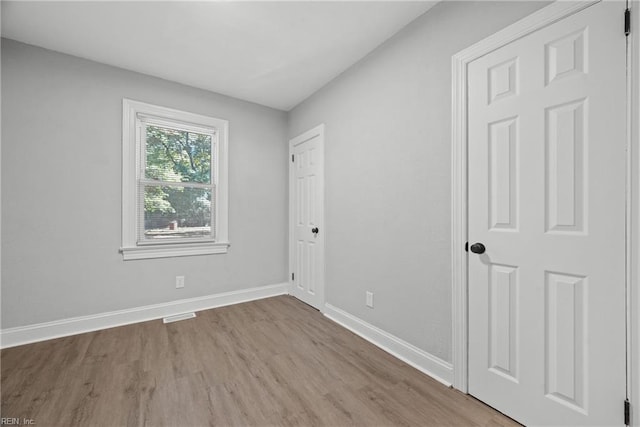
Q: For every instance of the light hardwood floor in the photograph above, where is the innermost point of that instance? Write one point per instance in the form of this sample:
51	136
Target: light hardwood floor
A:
275	361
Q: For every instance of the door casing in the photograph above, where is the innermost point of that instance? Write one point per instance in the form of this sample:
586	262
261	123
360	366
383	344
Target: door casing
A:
549	14
633	203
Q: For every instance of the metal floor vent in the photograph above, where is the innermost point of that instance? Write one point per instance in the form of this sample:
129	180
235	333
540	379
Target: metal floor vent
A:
177	317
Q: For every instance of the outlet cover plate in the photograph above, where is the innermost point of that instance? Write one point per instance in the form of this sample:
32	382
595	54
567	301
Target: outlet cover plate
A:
369	299
179	282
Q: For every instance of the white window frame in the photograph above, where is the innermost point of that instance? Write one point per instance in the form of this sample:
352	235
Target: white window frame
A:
134	113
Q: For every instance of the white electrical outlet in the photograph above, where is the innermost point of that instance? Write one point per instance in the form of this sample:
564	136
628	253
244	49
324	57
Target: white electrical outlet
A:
179	282
370	299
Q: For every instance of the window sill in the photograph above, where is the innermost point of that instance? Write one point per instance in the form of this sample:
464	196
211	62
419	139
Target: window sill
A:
169	251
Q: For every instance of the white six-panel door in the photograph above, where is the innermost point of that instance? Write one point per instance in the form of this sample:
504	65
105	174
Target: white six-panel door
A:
546	121
307	209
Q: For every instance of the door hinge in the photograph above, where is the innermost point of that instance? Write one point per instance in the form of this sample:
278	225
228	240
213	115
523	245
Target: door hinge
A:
627	22
627	412
293	276
466	246
293	157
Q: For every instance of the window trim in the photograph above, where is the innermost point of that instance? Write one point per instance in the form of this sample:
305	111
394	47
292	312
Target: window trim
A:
132	111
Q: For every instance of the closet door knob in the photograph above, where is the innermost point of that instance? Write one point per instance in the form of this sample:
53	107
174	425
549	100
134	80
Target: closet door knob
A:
478	248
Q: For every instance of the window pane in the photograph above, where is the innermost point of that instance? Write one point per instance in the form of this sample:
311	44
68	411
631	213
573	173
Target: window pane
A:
177	212
177	156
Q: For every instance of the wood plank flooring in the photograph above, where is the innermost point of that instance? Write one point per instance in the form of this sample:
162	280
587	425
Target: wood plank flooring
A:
275	361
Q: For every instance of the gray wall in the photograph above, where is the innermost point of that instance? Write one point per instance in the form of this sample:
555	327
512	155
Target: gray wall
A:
388	184
61	191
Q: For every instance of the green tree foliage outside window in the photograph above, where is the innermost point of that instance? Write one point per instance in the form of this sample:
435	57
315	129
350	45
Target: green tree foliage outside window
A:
183	158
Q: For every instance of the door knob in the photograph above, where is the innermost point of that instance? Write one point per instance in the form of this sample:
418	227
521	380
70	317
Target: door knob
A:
315	230
478	248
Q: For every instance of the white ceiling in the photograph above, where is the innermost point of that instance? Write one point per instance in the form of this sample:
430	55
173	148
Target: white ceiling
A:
271	53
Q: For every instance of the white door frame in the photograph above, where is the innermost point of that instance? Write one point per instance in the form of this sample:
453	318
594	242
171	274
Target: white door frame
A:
545	16
633	203
317	131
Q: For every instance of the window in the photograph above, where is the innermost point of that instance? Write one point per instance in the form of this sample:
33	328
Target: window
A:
174	195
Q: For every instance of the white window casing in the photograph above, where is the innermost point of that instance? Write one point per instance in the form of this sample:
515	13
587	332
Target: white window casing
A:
135	117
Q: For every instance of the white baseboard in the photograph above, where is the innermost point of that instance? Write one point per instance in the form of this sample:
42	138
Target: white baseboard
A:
61	328
431	365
